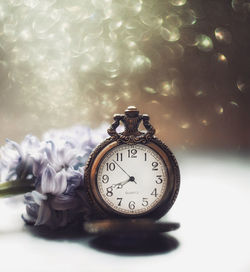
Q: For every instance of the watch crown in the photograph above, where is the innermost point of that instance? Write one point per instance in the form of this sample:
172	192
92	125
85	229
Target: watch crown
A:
132	111
131	108
131	120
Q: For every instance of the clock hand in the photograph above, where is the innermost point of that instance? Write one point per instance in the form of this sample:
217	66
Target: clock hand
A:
132	179
121	168
121	184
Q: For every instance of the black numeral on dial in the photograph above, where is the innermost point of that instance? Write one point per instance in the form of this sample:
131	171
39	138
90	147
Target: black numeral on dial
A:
110	166
109	191
159	179
119	156
144	202
119	200
132	153
154	193
131	205
154	166
105	179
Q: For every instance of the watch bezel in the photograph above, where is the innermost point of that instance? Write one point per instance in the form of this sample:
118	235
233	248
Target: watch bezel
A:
102	210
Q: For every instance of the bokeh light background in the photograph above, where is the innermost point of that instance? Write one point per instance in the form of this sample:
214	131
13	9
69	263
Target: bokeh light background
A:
184	62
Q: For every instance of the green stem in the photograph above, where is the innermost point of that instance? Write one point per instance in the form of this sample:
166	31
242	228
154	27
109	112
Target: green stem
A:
16	187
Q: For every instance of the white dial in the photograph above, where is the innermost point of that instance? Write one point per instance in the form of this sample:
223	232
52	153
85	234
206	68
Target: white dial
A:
132	179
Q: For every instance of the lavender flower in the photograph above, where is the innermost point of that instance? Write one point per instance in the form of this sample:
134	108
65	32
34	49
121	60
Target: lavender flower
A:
54	166
58	170
15	159
81	138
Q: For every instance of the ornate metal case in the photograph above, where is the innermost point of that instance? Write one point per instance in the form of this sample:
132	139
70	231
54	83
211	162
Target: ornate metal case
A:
131	136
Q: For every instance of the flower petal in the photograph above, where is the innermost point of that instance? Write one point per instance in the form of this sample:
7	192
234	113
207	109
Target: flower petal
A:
39	162
15	146
70	144
38	198
32	210
74	179
48	180
61	156
64	219
44	214
28	198
60	183
50	151
30	142
64	202
29	220
70	157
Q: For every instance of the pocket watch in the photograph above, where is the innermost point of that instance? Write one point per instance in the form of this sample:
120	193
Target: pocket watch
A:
132	174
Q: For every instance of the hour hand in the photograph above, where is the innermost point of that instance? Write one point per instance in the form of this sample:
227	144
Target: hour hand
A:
121	184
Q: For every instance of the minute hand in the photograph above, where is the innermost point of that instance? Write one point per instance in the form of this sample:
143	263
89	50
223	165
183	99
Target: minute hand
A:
121	168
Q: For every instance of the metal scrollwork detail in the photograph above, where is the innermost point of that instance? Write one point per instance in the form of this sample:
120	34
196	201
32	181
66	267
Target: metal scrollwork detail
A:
112	130
131	120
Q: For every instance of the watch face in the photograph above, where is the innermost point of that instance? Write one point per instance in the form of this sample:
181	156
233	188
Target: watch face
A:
132	179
